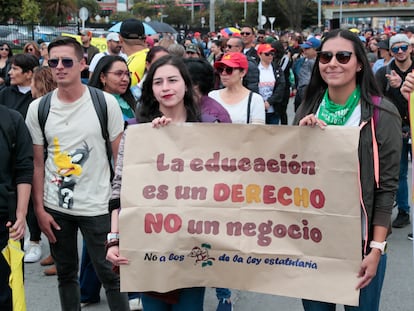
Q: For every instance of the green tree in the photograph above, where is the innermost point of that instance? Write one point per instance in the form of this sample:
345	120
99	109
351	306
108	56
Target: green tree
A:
177	15
144	9
57	11
92	6
30	12
10	9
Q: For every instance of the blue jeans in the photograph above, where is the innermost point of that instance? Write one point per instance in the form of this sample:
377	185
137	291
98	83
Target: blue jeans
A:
223	293
90	286
5	290
272	118
369	297
191	299
402	193
65	255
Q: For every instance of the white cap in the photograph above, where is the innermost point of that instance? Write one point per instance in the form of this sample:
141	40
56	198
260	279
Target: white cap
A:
112	36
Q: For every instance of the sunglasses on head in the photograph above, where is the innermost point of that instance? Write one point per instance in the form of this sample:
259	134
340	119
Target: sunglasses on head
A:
228	70
342	57
66	62
4	49
245	33
403	48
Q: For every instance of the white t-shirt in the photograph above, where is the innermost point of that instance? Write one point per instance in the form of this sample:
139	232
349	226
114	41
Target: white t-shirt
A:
267	83
77	174
238	112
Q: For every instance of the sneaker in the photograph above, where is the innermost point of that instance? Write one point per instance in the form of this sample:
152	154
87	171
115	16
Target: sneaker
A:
410	236
135	304
402	220
224	305
33	252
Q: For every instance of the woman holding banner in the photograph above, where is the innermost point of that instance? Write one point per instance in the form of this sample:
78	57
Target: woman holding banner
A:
167	97
343	92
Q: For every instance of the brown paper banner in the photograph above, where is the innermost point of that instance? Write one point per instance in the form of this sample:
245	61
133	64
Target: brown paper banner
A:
270	209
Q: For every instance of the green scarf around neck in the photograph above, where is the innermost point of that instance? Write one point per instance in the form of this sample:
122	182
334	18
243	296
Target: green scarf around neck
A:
335	114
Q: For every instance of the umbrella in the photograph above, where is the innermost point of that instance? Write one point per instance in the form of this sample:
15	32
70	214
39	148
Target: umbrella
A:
14	256
226	32
148	29
162	27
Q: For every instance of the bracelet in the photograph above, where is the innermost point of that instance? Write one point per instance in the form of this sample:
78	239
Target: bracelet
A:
108	245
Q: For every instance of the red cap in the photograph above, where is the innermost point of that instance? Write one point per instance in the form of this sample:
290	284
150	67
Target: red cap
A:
197	34
235	60
265	48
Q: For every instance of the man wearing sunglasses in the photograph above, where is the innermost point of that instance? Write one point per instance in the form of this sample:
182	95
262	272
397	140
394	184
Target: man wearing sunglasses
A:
72	188
248	36
390	78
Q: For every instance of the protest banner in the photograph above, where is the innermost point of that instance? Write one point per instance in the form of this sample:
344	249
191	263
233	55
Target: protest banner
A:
270	209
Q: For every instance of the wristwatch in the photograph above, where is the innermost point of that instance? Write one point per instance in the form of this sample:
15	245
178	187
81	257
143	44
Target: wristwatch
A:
382	246
112	236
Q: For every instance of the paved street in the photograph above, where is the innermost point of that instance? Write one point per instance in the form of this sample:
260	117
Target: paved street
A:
398	291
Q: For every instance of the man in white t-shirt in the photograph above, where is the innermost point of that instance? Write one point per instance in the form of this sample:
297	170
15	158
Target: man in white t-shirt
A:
71	189
113	48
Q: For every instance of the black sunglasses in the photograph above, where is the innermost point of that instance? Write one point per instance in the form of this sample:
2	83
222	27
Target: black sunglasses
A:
245	33
229	46
66	62
4	49
228	70
269	53
403	48
342	57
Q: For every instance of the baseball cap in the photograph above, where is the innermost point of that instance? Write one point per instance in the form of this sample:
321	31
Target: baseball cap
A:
132	29
85	33
399	38
191	48
264	48
311	43
112	36
235	60
384	44
197	34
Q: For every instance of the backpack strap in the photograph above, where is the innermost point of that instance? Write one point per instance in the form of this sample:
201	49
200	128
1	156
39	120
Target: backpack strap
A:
376	100
249	101
43	113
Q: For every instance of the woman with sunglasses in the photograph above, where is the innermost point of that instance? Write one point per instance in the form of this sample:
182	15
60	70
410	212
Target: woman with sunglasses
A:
242	105
5	54
32	48
167	97
343	92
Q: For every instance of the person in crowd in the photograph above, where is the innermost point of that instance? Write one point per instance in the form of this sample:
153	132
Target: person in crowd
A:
282	59
406	90
176	49
44	55
217	51
343	92
251	77
5	54
32	48
390	79
132	37
192	51
42	83
249	40
384	53
160	111
18	96
113	48
16	173
72	187
243	105
89	51
271	83
303	67
110	75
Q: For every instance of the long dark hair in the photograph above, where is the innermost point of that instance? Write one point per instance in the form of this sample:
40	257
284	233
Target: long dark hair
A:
8	46
102	67
149	108
364	78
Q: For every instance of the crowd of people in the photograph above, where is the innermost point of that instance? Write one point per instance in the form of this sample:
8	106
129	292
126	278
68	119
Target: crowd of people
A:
64	183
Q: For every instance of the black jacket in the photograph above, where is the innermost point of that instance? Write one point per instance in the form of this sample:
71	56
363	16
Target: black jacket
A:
276	99
16	164
13	99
